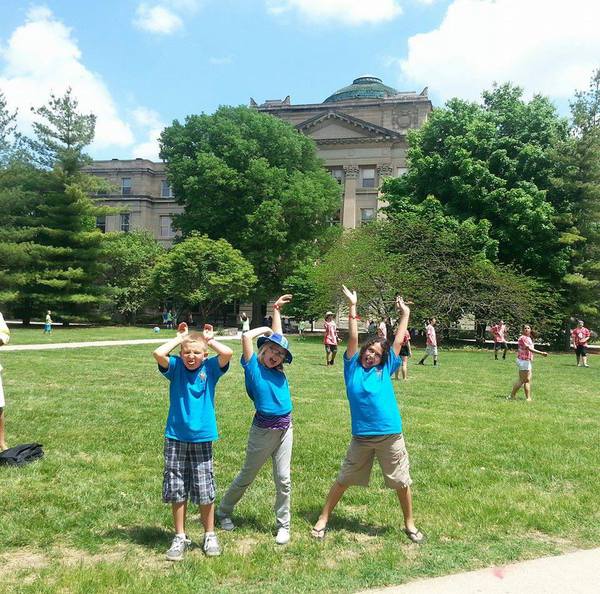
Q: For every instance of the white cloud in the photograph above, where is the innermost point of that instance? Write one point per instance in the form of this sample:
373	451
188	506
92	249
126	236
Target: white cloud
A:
349	12
157	19
547	47
42	57
150	120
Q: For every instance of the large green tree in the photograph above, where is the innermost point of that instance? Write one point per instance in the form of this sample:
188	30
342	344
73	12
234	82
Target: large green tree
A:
7	130
444	266
495	162
251	179
203	273
53	252
578	183
131	265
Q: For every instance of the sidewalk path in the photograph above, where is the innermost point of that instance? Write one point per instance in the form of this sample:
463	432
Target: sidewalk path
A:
94	343
573	573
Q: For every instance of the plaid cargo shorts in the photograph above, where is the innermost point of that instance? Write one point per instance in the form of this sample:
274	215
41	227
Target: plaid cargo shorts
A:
188	472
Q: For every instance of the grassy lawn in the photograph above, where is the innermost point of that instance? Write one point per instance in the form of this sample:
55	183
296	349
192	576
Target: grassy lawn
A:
494	481
35	334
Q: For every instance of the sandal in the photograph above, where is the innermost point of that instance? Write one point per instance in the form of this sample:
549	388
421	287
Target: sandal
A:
415	536
318	533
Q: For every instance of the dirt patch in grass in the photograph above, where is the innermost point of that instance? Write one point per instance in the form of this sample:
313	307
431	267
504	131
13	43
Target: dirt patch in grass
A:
245	546
564	545
29	561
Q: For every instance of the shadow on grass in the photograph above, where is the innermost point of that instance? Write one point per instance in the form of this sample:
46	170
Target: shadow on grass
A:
350	525
152	537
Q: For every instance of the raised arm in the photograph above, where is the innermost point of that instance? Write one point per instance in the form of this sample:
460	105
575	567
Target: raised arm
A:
352	323
404	313
223	351
276	326
248	340
161	354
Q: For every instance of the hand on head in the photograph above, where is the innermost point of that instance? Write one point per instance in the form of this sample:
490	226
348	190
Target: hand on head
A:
350	295
283	300
208	332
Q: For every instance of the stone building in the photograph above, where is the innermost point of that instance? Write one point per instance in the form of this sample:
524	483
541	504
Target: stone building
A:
360	132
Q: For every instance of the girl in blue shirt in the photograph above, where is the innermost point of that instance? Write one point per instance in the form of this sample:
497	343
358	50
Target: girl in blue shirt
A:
271	431
376	420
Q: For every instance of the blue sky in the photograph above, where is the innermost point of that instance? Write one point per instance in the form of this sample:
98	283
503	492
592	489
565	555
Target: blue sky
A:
140	64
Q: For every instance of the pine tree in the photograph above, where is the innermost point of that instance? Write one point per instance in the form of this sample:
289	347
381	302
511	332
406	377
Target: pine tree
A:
53	251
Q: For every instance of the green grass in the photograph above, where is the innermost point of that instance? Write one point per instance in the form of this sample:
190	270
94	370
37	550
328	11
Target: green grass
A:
494	481
35	334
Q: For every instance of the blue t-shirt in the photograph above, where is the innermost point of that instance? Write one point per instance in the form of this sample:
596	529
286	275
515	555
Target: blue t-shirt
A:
192	400
373	406
268	388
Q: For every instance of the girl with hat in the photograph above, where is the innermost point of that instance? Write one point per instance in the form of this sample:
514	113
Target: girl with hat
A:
271	431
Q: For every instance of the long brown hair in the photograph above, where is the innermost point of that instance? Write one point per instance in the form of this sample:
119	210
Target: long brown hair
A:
385	348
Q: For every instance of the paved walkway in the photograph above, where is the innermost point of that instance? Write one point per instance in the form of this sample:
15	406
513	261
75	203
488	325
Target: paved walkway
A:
94	343
573	573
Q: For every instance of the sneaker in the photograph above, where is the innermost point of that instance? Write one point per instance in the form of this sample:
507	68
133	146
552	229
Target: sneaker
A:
283	536
420	363
178	547
211	545
586	365
226	523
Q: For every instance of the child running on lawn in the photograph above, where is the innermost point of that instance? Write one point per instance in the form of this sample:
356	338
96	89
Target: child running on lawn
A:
376	421
190	431
271	430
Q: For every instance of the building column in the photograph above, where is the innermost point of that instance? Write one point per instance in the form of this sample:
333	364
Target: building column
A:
349	208
384	171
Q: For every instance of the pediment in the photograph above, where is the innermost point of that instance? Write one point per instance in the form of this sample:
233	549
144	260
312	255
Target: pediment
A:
337	126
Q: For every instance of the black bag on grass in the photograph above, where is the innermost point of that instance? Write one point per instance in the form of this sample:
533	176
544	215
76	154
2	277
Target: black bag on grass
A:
21	454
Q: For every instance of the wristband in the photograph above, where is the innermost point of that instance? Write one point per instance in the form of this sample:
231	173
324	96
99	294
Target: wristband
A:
352	317
277	306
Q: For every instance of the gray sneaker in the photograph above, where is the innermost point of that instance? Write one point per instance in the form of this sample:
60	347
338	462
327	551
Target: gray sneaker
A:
226	523
211	545
178	547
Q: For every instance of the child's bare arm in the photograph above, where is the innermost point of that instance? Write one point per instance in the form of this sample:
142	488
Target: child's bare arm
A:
404	312
352	323
224	352
248	338
276	326
161	354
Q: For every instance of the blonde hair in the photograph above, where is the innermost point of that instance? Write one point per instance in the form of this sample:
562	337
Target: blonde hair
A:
194	337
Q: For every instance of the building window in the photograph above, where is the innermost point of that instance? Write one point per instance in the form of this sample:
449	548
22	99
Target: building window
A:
367	215
166	228
338	174
101	224
125	222
125	186
400	171
367	177
165	189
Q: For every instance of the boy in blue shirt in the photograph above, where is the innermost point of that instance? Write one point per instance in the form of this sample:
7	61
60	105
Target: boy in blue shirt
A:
190	430
376	420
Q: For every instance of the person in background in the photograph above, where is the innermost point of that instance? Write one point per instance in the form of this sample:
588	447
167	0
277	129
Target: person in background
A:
331	339
499	332
48	323
431	345
525	350
579	338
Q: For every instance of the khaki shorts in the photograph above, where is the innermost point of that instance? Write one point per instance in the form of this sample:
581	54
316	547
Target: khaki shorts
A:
431	350
392	457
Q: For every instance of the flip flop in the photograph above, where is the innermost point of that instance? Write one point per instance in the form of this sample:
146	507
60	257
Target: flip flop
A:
415	536
318	533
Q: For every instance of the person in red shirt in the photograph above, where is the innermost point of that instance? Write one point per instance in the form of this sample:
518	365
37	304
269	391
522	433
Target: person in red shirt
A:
330	339
580	337
525	350
431	346
499	332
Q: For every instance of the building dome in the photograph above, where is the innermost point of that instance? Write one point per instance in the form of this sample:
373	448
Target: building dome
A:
364	87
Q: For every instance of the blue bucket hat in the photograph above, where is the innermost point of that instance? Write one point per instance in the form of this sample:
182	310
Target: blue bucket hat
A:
279	340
